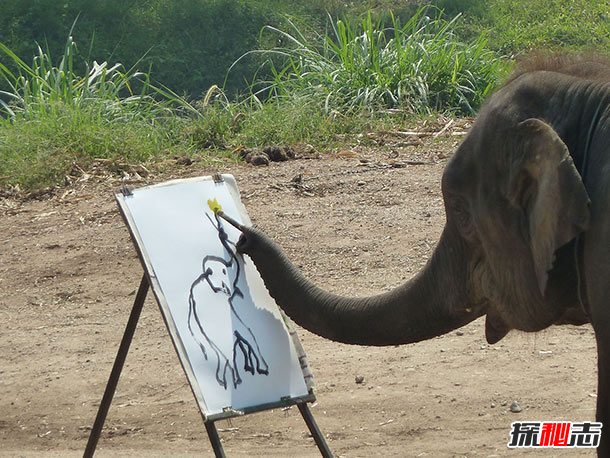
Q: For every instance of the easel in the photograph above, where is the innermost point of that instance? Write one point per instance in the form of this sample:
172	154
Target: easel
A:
146	283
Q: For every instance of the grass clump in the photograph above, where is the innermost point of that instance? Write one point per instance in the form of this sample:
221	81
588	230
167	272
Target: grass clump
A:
420	66
39	154
290	121
52	118
44	89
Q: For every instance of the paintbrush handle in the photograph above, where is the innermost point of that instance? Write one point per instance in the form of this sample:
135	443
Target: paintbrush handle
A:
230	220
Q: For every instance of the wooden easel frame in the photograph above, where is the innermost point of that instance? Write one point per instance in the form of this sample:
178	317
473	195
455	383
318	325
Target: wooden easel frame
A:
148	281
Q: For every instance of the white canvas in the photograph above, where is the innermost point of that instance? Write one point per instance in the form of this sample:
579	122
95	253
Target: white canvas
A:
229	333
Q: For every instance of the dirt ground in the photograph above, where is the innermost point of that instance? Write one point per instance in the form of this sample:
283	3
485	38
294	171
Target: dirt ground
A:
359	221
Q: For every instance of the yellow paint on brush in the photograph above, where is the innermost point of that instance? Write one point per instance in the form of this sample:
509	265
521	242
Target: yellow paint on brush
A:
214	205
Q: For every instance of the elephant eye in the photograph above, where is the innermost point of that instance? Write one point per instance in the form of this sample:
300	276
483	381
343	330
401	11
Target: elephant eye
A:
463	216
459	208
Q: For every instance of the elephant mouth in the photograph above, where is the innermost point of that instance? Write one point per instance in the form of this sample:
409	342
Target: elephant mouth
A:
505	312
495	327
532	319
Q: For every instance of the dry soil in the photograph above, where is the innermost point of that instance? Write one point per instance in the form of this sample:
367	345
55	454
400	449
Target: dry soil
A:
358	220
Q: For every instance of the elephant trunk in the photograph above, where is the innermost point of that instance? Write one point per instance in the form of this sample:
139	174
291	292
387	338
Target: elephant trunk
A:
430	304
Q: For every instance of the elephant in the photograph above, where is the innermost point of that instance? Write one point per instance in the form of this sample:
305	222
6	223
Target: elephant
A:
526	241
216	287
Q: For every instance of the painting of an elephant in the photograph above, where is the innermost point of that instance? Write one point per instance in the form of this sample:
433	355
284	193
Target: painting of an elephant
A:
527	236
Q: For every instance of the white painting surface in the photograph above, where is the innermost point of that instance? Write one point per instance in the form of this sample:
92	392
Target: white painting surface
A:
232	334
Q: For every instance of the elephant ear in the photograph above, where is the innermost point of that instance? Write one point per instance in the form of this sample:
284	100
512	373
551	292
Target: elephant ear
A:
546	185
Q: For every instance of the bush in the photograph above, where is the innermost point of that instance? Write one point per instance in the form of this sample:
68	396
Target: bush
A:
53	117
420	66
41	89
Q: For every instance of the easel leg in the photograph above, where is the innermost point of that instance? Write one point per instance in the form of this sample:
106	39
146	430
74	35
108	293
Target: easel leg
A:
314	430
113	380
214	439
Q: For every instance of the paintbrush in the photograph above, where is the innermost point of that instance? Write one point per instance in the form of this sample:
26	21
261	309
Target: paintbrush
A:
217	209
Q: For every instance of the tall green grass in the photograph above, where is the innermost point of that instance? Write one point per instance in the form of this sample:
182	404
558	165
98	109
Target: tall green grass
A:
52	118
420	66
46	89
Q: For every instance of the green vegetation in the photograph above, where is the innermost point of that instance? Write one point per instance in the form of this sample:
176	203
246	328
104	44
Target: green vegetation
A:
44	90
554	24
187	44
252	75
54	119
420	66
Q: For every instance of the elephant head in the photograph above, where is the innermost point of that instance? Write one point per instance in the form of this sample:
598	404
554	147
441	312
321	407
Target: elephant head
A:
217	274
514	204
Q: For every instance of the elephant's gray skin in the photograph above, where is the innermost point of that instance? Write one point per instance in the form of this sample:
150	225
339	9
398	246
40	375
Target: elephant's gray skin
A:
527	236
